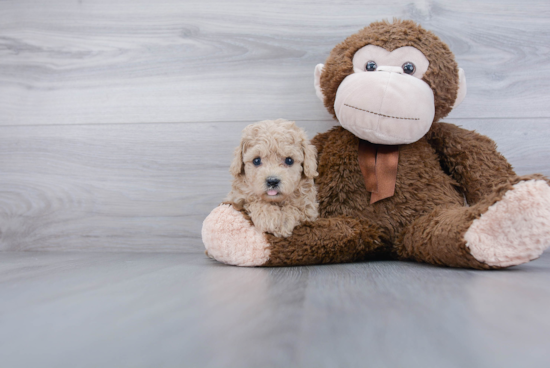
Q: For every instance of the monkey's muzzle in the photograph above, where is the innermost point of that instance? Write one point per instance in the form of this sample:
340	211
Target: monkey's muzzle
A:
385	107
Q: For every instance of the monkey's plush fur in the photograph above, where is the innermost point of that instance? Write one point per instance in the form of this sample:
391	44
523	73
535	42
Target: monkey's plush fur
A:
278	195
506	222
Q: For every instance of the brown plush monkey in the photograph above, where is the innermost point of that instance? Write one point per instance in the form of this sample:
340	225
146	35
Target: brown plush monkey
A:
392	180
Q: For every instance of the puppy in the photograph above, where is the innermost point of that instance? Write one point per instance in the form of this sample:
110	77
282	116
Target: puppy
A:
274	167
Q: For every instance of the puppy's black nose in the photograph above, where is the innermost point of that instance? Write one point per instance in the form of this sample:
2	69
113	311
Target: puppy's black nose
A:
272	181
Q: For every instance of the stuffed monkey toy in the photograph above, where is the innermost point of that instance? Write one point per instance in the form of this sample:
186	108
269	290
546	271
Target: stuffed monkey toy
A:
394	182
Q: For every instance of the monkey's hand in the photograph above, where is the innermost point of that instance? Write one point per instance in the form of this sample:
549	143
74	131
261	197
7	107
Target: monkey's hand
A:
231	238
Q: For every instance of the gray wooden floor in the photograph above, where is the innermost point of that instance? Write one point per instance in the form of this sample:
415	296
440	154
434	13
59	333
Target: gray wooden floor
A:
184	310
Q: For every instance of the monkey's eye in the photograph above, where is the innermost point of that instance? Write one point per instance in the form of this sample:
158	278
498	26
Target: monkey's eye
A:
289	161
257	161
409	68
371	66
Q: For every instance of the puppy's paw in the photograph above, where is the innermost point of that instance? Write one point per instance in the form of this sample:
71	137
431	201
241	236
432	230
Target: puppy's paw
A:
514	230
229	238
279	221
282	233
285	227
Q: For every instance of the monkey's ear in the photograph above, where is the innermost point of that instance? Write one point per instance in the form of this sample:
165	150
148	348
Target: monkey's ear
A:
317	81
461	93
237	166
310	160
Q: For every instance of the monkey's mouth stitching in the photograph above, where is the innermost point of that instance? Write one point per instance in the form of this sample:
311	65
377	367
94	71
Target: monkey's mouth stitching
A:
375	113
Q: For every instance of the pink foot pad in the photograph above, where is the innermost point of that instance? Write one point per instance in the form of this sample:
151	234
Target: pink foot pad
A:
514	230
230	238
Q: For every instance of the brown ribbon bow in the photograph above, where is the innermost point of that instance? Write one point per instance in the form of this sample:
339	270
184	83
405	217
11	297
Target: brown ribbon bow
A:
378	165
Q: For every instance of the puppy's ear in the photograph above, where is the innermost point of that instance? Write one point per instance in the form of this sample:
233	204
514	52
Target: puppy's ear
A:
310	159
237	166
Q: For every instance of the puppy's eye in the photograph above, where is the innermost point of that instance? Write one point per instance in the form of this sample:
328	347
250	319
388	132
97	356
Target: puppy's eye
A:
257	161
289	161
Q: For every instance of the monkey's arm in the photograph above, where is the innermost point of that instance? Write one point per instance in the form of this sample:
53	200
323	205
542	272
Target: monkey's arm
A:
471	159
319	141
230	237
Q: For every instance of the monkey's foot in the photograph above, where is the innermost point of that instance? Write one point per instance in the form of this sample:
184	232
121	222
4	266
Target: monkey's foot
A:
514	230
230	238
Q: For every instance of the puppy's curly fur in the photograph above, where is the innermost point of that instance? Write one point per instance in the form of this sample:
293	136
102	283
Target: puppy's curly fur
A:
274	167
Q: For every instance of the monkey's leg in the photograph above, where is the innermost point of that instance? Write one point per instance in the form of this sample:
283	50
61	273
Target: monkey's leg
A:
507	228
327	240
231	238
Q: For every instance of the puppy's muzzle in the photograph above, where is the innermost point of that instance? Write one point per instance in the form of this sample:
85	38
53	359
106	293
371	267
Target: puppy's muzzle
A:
272	181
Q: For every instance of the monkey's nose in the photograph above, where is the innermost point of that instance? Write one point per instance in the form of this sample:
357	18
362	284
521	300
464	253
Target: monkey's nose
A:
272	181
392	69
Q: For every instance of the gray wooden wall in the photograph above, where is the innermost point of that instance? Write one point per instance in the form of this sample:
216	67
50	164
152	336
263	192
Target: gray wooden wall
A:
118	117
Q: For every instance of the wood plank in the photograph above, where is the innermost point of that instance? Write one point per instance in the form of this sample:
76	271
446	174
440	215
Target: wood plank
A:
113	187
524	142
148	187
173	310
172	61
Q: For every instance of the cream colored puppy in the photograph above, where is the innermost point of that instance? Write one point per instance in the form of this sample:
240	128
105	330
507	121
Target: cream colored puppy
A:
274	167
